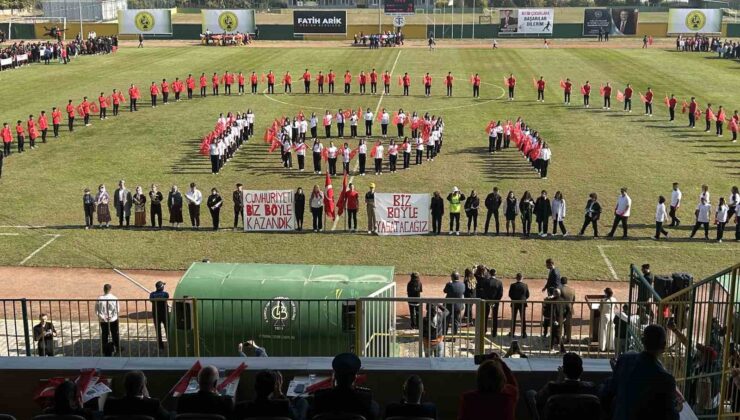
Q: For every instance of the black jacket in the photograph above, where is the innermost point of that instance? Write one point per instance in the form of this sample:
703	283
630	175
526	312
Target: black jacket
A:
542	208
471	203
347	400
135	407
263	408
238	197
519	291
214	200
493	202
490	288
438	206
593	209
299	202
205	403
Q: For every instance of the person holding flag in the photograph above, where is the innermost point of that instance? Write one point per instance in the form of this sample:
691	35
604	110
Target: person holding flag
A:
606	93
671	104
353	124
32	133
330	77
306	82
648	100
392	156
627	97
20	136
331	154
586	92
384	118
287	83
709	117
85	107
116	98
7	138
400	120
510	83
165	91
387	83
318	152
103	105
347	155
540	85
177	87
328	198
300	151
270	82
352	202
448	83
347	82
373	83
253	82
368	123
362	159
56	119
427	85
190	83
406	149
240	81
718	124
377	154
406	82
316	202
203	84
214	83
734	122
327	124
71	116
475	81
567	87
153	92
340	122
320	82
362	79
43	125
693	108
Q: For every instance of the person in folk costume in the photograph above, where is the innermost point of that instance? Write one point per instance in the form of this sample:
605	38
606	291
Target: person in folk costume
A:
331	153
362	157
314	125
353	120
392	155
377	154
340	123
102	200
139	201
384	121
327	124
400	121
155	206
368	123
406	148
318	152
287	83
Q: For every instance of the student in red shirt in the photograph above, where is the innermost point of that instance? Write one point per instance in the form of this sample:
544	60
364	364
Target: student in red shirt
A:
607	96
708	117
190	82
734	121
306	82
672	107
103	105
287	83
363	82
541	89
627	98
240	80
154	91
649	102
214	84
476	86
497	391
406	81
85	106
387	82
586	91
721	116
373	82
448	82
116	97
7	139
511	83
203	83
19	136
330	77
427	85
32	133
692	112
566	91
177	88
70	115
133	96
56	119
165	91
353	203
270	82
320	82
347	82
253	82
228	79
43	123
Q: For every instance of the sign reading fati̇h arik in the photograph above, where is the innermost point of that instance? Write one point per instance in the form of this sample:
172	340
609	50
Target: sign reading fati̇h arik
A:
330	22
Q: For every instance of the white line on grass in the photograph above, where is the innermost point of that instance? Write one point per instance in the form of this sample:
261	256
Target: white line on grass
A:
377	108
25	260
129	278
606	260
22	227
9	234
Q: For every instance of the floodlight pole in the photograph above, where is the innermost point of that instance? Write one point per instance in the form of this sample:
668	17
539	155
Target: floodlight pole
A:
79	3
380	18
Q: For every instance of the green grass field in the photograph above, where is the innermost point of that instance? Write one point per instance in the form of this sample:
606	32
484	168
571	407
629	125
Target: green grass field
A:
592	151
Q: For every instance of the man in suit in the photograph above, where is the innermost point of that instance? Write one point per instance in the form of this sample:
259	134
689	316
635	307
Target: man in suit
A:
411	405
519	291
270	401
344	396
454	289
557	310
136	401
568	294
238	197
644	295
122	203
641	388
624	22
207	400
495	293
493	203
553	276
569	382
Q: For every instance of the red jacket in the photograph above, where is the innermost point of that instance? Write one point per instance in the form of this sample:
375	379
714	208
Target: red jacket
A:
306	77
70	110
154	90
134	93
476	81
203	81
214	80
19	129
347	78
427	80
190	82
56	117
386	78
103	101
85	107
568	87
43	122
6	135
649	97
540	85
271	78
672	102
353	200
240	79
607	91
287	79
331	76
253	79
586	89
165	87
511	81
373	77
407	80
627	93
363	78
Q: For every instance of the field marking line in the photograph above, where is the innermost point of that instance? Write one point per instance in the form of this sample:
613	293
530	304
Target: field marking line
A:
606	260
22	227
9	234
129	278
653	247
54	238
377	108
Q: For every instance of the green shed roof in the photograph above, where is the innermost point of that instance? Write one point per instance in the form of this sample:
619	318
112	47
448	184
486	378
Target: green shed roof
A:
293	281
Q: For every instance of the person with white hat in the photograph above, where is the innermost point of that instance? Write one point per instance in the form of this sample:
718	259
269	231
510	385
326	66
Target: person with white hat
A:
456	198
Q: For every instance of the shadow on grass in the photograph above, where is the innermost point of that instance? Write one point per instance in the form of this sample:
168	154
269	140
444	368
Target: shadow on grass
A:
504	164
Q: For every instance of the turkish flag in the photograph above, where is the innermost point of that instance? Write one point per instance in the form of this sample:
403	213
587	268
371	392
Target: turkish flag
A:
347	113
601	90
583	89
182	385
490	125
329	198
620	96
643	98
684	107
342	201
325	154
275	145
232	377
400	81
562	84
395	118
534	82
667	101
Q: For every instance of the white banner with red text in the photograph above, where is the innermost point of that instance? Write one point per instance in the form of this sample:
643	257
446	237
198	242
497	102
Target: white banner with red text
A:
270	210
402	214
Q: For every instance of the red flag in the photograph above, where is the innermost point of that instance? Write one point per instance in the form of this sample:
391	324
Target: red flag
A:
262	79
472	79
643	98
490	125
232	377
182	385
712	117
94	108
325	154
697	114
534	82
342	201
400	81
562	84
506	82
380	115
275	145
395	118
684	107
359	112
601	90
329	197
347	113
667	101
79	110
374	150
328	383
583	89
620	96
83	381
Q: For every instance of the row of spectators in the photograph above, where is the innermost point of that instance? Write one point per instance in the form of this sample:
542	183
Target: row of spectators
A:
46	51
383	39
639	388
725	48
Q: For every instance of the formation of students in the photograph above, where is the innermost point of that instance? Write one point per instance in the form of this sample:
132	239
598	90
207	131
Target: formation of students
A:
292	136
227	137
543	211
529	142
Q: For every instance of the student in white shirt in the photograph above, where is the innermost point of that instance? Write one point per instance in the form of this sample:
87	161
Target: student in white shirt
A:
392	156
353	124
676	197
558	214
327	124
419	150
317	148
733	202
379	158
384	120
302	129
362	155
368	123
660	218
314	123
250	122
721	218
545	156
702	218
705	194
430	148
406	147
300	151
340	123
194	198
106	308
346	157
287	146
332	156
621	213
401	119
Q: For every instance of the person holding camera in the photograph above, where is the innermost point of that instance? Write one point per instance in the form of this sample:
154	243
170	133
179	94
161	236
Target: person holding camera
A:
44	333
